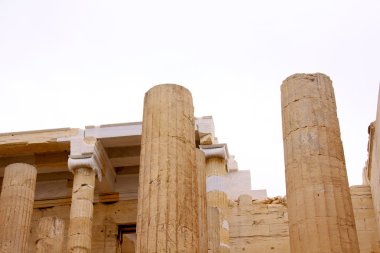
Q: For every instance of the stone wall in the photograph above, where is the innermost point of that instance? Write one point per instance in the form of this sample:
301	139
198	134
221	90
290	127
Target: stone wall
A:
105	229
365	219
255	226
262	226
258	226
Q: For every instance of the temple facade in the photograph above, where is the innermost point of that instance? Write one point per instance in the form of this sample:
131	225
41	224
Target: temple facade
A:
167	185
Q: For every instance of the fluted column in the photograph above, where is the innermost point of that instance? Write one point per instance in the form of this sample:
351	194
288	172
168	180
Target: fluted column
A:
319	204
81	212
16	207
213	228
167	219
202	201
50	234
216	173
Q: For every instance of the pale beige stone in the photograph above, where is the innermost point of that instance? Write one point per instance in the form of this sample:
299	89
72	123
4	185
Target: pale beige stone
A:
207	139
216	166
365	219
256	227
50	234
81	212
217	170
245	200
106	218
129	242
374	163
213	228
167	219
202	201
16	207
319	203
262	227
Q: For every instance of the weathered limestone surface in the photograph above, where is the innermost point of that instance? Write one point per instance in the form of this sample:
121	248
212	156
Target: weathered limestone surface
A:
50	233
62	212
129	243
365	219
29	142
216	197
374	164
318	196
104	228
256	227
81	213
202	201
261	226
16	207
167	219
367	170
216	166
213	228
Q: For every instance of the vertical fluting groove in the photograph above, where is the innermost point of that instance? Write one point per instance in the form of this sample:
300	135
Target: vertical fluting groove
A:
16	207
319	203
175	213
202	203
161	243
81	212
159	175
166	203
215	166
213	229
334	245
144	177
152	229
50	235
183	177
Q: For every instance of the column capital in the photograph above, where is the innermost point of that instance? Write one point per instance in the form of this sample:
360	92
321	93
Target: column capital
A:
83	155
85	162
215	151
220	151
88	152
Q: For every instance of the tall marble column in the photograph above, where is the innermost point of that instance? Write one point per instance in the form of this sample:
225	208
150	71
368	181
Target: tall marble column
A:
50	234
16	207
167	219
213	228
319	203
202	201
81	212
216	173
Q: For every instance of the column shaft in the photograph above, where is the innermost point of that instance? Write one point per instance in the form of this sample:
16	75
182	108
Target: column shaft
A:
216	197
16	207
167	219
81	213
50	234
202	201
213	229
319	203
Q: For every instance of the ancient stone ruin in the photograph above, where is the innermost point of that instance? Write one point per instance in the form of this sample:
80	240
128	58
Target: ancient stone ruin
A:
166	185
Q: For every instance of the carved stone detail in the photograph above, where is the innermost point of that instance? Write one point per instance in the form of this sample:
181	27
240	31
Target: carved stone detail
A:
50	233
320	210
167	219
16	207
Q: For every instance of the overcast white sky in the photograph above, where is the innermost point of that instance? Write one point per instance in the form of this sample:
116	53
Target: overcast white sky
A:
76	63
